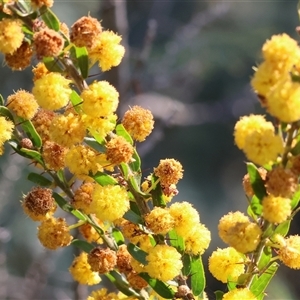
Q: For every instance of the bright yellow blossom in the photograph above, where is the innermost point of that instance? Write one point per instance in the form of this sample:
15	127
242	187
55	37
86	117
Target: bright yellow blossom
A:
6	129
289	253
239	294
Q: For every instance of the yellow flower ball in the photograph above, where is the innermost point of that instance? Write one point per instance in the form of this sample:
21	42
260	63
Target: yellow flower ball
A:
239	294
226	264
289	254
164	262
52	91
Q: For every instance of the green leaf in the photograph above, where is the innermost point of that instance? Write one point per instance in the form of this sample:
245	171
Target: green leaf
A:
158	286
53	65
176	241
49	18
136	164
1	100
231	285
133	217
137	253
157	194
256	181
296	149
260	283
76	101
82	60
118	236
186	260
31	132
5	112
121	131
265	258
121	284
4	15
83	245
283	228
39	179
90	141
256	206
219	295
31	154
66	206
104	179
295	200
197	275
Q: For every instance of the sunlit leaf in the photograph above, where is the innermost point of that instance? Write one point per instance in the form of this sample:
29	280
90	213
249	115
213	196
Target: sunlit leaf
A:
295	200
1	100
198	280
5	112
158	286
121	131
32	133
265	258
176	241
260	283
82	60
83	245
39	179
256	206
76	101
256	181
118	236
104	179
137	253
49	18
283	228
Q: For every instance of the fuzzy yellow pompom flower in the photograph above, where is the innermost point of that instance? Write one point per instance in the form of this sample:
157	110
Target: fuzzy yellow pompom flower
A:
11	35
101	99
23	104
67	130
110	202
266	75
81	160
107	50
239	294
54	233
81	271
283	102
185	217
198	240
237	231
159	220
6	129
256	137
276	209
164	262
289	253
52	91
281	47
226	264
102	294
138	122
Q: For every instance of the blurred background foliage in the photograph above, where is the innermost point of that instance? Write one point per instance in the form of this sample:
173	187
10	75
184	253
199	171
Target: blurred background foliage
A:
190	63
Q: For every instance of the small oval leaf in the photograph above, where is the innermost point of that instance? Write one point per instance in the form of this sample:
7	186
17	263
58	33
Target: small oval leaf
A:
83	245
49	18
197	275
118	236
137	253
5	112
39	179
176	241
82	60
104	179
31	132
121	131
256	181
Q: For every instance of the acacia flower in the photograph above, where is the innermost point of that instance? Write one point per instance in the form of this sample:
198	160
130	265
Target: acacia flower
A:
136	281
185	217
42	122
118	150
81	160
276	209
39	204
20	58
102	294
289	253
39	71
54	233
236	230
239	294
54	155
107	50
102	260
226	264
89	232
67	130
81	270
110	202
40	3
83	197
6	129
198	239
138	122
48	43
52	91
159	220
23	104
281	182
11	35
164	262
85	31
169	171
124	260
